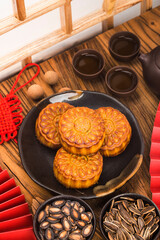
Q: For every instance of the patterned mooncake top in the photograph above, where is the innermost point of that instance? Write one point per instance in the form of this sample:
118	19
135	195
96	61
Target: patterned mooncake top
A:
78	167
48	120
81	127
117	127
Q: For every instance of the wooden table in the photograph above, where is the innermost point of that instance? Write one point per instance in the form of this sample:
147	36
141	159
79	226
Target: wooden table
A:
143	103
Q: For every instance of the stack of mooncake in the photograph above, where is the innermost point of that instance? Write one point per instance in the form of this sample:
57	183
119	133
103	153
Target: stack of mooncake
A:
84	135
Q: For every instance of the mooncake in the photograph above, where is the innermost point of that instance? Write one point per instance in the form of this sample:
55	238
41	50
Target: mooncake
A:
81	131
47	124
117	131
77	171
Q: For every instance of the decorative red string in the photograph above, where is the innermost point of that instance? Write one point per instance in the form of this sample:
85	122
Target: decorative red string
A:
10	109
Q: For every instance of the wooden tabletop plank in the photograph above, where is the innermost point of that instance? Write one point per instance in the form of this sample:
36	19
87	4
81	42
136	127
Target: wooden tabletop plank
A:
143	103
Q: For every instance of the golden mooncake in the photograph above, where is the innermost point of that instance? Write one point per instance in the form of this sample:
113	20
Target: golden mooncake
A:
81	130
77	171
117	131
47	124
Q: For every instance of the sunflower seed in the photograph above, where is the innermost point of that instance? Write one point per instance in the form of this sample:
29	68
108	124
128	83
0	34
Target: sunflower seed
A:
157	220
125	205
140	204
112	204
151	223
148	218
147	209
154	228
141	223
117	217
137	230
108	217
134	210
120	235
111	226
147	233
110	236
138	237
127	227
142	232
128	199
125	215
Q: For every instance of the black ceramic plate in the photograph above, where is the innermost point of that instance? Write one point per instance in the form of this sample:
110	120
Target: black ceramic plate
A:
38	159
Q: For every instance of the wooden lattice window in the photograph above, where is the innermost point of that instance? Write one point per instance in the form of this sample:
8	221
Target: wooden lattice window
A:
68	28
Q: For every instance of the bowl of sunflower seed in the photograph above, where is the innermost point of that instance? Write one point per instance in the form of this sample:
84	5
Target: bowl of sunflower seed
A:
130	216
64	217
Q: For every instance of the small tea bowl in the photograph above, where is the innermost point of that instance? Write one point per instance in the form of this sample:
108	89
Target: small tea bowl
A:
38	230
86	58
142	212
117	83
119	46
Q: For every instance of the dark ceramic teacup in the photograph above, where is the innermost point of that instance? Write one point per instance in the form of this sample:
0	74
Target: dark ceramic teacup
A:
88	63
124	46
121	81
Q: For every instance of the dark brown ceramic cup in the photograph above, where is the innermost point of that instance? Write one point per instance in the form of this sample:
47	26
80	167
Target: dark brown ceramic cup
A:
124	34
86	75
135	196
134	81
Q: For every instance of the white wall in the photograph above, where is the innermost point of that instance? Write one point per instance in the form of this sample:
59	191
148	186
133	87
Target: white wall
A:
33	30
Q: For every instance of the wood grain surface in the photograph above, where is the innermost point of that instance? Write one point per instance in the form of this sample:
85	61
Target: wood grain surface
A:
143	103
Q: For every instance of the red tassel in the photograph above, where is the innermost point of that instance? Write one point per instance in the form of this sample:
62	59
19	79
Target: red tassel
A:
10	110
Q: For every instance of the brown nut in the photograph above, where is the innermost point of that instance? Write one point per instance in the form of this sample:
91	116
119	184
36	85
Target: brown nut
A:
51	77
35	92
